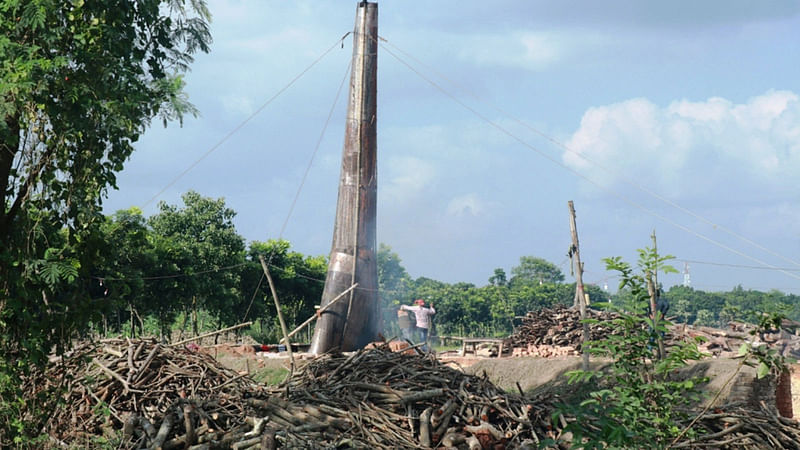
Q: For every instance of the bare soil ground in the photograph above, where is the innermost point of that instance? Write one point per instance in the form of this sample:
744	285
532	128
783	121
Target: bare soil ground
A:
528	374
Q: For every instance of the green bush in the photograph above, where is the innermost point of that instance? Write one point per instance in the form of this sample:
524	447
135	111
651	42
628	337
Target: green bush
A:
640	401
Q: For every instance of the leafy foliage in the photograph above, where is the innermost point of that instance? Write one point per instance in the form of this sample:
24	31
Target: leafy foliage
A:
639	399
201	238
80	82
298	281
535	270
718	308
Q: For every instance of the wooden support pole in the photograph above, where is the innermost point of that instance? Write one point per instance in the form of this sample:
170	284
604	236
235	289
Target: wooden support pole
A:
580	297
652	289
317	314
278	309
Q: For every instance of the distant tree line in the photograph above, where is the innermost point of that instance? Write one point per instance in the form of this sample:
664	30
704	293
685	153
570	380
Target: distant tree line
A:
186	270
693	306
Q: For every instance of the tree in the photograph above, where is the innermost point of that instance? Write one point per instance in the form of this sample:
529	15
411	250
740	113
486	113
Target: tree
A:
126	256
81	81
393	280
299	280
638	401
533	270
203	230
498	278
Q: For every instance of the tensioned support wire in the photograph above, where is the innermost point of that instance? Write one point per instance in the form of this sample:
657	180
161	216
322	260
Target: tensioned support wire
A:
236	129
628	180
245	121
303	180
542	153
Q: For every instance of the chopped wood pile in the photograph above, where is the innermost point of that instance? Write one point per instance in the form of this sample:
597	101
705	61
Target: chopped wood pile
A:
139	394
156	396
548	330
726	342
159	396
558	331
733	427
379	399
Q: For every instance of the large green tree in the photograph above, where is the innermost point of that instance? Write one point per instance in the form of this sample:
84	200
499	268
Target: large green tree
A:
126	257
80	81
535	270
203	230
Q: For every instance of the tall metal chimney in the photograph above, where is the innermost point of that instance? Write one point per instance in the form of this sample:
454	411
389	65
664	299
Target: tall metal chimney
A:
353	321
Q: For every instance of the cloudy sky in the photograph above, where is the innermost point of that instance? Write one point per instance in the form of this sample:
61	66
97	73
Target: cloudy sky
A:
681	117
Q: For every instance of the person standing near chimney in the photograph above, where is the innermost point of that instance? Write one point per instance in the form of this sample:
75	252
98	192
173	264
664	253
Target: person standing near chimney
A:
423	318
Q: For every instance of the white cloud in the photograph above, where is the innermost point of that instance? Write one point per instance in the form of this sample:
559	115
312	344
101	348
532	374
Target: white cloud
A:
238	105
408	177
693	146
526	50
466	205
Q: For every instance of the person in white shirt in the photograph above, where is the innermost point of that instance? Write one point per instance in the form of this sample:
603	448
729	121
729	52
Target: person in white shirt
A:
422	316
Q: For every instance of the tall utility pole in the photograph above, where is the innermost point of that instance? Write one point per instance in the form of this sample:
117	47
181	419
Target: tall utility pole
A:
580	296
352	323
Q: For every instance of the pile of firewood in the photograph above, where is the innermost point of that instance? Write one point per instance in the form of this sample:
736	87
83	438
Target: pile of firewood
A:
149	395
380	399
159	396
558	326
735	427
726	342
140	394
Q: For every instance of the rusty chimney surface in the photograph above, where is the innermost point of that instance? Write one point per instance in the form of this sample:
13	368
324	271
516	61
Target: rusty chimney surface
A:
353	322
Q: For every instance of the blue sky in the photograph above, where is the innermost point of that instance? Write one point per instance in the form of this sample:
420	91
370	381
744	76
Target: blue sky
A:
679	117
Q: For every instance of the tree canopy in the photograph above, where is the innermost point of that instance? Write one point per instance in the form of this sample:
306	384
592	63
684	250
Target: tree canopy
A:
532	269
81	81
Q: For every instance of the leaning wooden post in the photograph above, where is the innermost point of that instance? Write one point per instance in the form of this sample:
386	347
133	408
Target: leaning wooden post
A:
580	296
278	308
319	312
351	324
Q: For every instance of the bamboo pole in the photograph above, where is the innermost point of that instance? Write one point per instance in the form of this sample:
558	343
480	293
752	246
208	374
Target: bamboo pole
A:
212	333
320	311
278	308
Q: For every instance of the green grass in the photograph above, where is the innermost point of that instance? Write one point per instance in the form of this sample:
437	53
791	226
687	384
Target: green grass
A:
271	376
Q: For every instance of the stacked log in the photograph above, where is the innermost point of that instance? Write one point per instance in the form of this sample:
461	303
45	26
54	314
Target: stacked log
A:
395	400
549	330
725	342
155	396
142	394
159	396
735	427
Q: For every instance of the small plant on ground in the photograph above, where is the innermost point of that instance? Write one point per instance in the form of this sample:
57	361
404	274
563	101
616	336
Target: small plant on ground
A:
640	400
